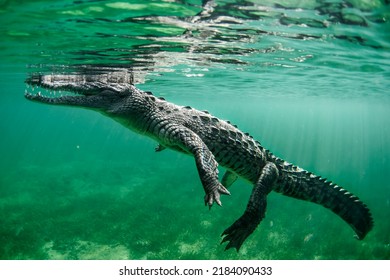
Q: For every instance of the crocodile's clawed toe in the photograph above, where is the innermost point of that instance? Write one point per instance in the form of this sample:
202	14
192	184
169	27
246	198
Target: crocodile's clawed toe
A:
209	199
237	233
215	196
223	190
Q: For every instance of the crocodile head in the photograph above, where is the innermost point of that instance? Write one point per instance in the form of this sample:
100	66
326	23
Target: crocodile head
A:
102	92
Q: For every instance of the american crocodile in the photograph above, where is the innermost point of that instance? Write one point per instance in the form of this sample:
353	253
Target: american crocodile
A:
211	141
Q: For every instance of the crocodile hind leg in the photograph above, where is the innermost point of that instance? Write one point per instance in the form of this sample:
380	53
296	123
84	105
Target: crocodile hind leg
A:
239	231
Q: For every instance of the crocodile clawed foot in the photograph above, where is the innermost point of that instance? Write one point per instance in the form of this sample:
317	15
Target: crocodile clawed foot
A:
214	195
238	232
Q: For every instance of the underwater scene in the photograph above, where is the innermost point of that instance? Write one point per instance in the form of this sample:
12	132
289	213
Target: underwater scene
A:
308	79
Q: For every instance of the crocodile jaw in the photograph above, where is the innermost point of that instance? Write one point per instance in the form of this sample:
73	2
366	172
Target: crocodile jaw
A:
98	92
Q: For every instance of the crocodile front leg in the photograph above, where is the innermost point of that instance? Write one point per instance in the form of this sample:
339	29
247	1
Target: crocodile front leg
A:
188	141
239	231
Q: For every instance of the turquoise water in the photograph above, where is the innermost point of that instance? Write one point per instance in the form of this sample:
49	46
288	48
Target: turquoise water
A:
309	79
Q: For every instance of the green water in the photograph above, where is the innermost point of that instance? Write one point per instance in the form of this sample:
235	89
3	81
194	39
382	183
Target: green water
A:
309	79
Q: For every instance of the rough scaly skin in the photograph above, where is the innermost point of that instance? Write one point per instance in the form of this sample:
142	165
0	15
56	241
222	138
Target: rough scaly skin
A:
211	141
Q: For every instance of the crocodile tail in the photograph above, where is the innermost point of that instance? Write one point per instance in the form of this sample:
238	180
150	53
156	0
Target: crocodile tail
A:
298	183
